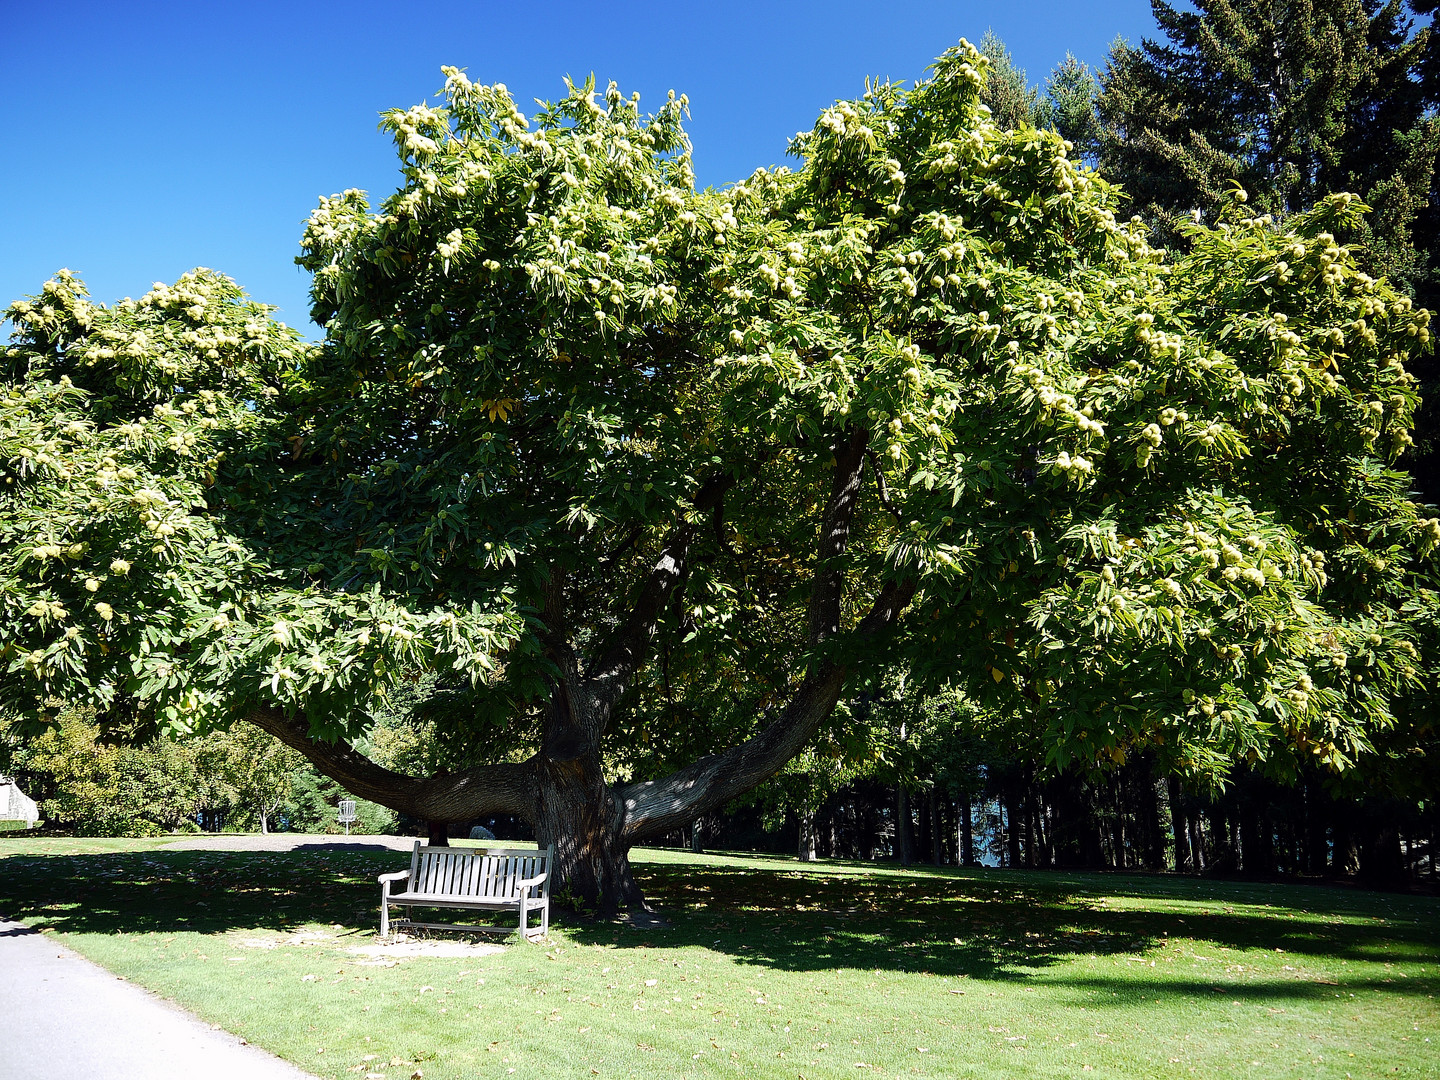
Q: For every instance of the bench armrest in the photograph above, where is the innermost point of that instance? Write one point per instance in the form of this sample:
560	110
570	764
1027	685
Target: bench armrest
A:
538	879
399	875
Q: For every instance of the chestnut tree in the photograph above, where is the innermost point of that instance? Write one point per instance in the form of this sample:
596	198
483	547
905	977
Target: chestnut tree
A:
646	479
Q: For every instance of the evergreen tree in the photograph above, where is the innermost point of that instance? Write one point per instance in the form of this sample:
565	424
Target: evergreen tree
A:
1012	101
1293	99
1070	94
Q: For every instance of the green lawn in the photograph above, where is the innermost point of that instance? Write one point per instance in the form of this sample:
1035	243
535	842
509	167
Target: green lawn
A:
771	969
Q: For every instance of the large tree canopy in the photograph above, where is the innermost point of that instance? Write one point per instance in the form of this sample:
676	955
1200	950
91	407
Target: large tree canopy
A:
579	435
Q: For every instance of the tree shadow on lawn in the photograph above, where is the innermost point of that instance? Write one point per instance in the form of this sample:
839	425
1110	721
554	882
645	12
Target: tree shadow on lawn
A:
983	924
1013	926
205	892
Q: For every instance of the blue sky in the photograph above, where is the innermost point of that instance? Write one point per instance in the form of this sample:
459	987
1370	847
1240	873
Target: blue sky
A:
142	139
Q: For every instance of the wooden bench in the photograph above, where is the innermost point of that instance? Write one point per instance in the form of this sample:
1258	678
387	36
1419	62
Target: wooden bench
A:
479	879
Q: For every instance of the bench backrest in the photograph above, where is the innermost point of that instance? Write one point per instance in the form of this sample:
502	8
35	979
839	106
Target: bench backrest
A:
479	874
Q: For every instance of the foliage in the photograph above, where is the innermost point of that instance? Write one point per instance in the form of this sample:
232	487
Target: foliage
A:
1146	503
1066	104
103	784
1071	91
260	771
313	805
98	790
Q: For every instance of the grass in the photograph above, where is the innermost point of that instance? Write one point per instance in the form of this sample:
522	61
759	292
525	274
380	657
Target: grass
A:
770	969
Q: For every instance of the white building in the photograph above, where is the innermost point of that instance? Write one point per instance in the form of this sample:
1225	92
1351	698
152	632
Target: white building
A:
15	805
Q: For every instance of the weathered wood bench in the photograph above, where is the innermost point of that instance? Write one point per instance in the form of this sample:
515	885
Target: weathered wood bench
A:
480	879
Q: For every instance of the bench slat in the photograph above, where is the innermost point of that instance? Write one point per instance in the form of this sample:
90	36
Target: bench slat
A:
448	865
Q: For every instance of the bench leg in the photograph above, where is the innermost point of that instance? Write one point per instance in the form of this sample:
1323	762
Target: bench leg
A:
384	914
524	910
545	919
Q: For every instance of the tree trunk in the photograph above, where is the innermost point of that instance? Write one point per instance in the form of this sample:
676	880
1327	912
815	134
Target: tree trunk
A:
937	854
1039	824
577	813
902	826
1381	860
967	833
437	833
1148	811
697	836
806	852
1117	827
1316	842
1013	823
1183	862
264	825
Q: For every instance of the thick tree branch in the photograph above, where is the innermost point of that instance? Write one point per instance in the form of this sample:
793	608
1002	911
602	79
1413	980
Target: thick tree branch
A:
653	808
477	792
656	807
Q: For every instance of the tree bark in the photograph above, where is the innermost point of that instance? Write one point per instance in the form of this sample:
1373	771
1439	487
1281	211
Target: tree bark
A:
578	813
937	851
1012	823
967	833
1178	826
806	850
902	825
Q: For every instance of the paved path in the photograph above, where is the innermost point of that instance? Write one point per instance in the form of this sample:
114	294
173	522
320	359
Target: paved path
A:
63	1018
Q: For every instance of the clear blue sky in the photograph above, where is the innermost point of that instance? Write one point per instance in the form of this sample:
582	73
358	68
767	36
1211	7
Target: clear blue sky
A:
142	139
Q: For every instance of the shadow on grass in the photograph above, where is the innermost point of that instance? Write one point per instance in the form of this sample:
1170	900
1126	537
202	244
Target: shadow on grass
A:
201	891
1115	993
983	924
